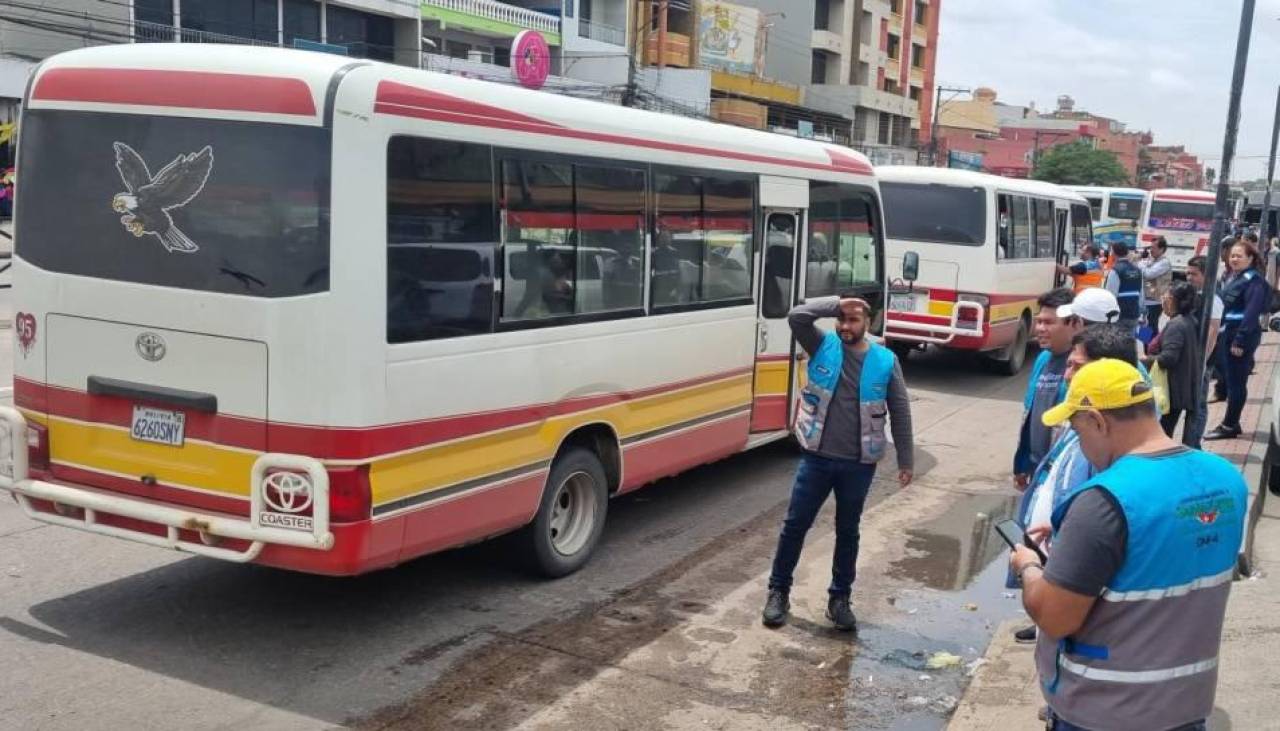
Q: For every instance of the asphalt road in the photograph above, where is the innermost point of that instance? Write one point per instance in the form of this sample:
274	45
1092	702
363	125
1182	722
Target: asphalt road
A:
101	633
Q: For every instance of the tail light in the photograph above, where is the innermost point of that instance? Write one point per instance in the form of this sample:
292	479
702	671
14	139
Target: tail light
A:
965	318
350	495
37	446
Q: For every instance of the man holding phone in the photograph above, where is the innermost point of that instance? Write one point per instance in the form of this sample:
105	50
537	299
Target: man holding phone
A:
854	386
1131	607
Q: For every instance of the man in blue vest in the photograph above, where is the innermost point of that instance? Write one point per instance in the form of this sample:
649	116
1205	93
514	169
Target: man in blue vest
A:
854	386
1125	282
1131	607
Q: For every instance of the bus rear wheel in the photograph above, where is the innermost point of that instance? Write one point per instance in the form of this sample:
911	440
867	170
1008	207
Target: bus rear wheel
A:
571	517
1011	361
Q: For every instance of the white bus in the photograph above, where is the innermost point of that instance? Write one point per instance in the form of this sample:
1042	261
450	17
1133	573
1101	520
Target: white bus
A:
988	247
1116	213
283	307
1183	217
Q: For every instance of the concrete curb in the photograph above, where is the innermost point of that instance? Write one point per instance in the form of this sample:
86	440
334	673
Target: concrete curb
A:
1254	470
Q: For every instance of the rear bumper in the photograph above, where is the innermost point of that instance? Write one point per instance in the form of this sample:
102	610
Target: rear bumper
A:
190	531
935	330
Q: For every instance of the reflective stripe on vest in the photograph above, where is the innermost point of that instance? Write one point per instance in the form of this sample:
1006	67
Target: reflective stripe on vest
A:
873	389
1138	676
1204	582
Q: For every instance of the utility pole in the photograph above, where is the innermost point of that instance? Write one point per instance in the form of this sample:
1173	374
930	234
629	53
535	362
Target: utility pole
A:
1265	224
1214	253
937	112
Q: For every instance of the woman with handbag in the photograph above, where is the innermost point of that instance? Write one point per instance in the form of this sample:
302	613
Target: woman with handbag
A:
1245	296
1176	355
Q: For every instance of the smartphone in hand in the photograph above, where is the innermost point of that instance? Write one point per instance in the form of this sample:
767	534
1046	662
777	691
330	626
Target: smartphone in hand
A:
1013	534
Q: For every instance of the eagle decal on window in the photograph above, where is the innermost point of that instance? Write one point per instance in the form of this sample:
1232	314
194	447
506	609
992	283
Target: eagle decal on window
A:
146	205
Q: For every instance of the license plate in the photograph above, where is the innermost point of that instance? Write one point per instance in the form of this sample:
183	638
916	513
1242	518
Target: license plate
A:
158	426
902	302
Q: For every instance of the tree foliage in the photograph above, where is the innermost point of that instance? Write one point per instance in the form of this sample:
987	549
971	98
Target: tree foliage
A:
1079	163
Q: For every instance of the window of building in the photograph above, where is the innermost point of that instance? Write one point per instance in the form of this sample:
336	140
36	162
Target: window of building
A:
892	87
153	11
895	7
364	34
819	75
843	231
894	47
921	13
301	20
238	18
703	242
884	131
441	239
822	15
917	56
914	93
1043	211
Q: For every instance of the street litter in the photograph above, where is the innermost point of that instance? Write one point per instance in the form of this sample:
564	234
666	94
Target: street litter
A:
971	607
909	660
942	660
1009	595
926	677
972	668
917	701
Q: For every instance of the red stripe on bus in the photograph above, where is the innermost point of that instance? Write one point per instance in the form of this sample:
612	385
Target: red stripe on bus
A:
1185	197
336	442
442	108
951	295
196	499
186	89
648	461
391	92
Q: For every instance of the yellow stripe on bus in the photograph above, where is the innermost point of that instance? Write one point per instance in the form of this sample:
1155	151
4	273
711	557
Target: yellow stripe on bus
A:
771	378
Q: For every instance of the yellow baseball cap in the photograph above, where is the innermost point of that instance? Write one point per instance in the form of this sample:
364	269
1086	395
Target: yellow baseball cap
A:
1101	385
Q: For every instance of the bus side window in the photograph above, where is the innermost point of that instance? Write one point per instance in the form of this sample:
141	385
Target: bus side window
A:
842	241
1042	210
1081	227
1095	209
704	237
538	208
440	239
610	208
1022	245
1004	226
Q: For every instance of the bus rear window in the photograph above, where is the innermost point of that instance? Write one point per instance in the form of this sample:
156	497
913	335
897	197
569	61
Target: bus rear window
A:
1178	215
943	214
1125	209
210	205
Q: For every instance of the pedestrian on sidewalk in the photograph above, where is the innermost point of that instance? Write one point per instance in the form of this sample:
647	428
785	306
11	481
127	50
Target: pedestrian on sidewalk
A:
1085	273
854	384
1125	282
1157	275
1193	430
1131	607
1180	355
1245	296
1065	467
1046	387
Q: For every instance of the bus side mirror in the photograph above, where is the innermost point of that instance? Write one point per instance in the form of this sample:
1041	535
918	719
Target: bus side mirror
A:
910	266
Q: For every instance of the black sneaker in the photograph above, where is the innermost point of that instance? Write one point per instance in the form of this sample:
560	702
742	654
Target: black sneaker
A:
1222	432
775	609
841	614
1026	636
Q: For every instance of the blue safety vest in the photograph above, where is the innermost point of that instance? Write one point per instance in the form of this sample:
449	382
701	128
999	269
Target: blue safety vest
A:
1022	463
1147	653
873	393
1130	295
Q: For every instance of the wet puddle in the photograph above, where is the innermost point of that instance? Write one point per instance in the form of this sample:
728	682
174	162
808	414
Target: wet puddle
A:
910	670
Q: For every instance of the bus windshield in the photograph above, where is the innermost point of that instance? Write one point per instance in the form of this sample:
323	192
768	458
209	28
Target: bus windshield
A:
209	205
944	214
1181	215
1125	209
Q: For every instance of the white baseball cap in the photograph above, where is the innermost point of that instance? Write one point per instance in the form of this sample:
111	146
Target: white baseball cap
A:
1092	305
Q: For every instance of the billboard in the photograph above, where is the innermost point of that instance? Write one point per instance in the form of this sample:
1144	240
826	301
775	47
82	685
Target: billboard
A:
727	36
965	160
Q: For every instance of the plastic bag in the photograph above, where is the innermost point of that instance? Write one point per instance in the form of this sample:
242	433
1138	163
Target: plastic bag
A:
1160	387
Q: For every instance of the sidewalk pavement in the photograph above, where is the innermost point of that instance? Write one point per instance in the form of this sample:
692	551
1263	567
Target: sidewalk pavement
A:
1005	692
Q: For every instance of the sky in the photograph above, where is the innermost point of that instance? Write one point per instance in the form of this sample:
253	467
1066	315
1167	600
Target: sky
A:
1158	65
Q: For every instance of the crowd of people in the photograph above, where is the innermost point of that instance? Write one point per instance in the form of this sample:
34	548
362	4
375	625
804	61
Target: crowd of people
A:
1143	531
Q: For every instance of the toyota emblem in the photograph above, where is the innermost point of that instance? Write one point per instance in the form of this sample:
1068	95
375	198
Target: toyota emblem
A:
151	347
287	492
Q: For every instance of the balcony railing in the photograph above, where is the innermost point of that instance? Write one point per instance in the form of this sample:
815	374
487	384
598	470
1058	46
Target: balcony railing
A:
601	32
145	32
502	13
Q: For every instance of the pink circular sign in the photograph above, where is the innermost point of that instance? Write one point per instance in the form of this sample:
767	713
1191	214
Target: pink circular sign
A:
530	59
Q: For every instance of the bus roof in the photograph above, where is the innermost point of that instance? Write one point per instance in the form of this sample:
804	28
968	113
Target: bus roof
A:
1085	189
1176	194
951	176
292	86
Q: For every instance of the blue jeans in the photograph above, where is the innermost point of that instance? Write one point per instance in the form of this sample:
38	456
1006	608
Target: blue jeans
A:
816	478
1236	371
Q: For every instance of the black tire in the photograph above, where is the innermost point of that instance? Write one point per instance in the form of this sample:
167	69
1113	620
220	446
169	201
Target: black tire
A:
1013	359
1273	469
544	540
901	349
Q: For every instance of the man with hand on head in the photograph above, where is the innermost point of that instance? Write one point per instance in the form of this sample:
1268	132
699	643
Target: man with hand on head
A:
854	386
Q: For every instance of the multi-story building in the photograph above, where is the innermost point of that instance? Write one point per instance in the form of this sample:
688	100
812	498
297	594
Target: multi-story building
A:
1172	167
860	72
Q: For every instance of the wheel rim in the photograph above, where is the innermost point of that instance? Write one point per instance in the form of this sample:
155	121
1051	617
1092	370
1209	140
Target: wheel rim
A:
573	513
1018	353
